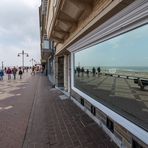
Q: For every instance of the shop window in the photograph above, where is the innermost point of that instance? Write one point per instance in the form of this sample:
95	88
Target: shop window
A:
115	73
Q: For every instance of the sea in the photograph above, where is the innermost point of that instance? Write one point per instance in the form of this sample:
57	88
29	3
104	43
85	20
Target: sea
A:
121	68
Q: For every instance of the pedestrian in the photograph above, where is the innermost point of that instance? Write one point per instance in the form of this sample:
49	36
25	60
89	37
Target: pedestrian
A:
82	71
94	71
9	73
14	71
33	71
5	70
20	72
27	69
98	70
87	72
78	70
1	74
43	68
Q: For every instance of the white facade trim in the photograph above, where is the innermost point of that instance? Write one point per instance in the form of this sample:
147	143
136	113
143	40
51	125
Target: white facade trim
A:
134	129
131	17
107	131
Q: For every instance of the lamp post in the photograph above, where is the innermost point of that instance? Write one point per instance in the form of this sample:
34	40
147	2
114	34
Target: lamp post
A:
32	60
23	53
2	65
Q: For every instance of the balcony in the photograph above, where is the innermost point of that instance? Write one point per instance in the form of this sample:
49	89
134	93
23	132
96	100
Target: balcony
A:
46	49
64	17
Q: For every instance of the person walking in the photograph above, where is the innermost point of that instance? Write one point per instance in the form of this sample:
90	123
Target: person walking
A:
78	70
87	72
1	74
20	72
9	73
98	70
33	71
14	71
82	71
94	71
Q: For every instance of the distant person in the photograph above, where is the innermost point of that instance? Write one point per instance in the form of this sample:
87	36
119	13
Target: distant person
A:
75	71
98	70
5	70
43	68
1	74
87	72
9	71
78	70
14	71
27	69
33	71
20	73
94	71
82	71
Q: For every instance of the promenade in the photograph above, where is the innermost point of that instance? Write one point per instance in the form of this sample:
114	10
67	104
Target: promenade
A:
35	115
120	94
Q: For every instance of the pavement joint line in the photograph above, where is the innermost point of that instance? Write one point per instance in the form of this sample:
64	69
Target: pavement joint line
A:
8	107
83	124
63	97
30	119
18	94
52	89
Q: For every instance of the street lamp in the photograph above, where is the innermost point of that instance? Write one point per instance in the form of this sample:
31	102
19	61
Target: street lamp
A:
32	60
23	53
2	65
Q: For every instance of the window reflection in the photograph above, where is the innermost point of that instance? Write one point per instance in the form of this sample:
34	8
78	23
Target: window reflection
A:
115	73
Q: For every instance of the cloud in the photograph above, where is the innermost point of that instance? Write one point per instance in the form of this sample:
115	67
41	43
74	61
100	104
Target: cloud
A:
19	29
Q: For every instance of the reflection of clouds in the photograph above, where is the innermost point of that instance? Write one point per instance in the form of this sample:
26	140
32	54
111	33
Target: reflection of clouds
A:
123	50
145	58
115	42
113	59
6	108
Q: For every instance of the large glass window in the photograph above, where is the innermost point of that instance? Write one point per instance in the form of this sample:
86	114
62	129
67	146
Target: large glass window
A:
115	73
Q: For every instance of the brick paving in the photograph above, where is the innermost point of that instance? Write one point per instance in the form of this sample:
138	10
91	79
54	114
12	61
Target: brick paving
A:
15	108
35	115
59	123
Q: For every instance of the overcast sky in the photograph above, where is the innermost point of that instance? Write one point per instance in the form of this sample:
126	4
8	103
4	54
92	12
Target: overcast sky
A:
19	30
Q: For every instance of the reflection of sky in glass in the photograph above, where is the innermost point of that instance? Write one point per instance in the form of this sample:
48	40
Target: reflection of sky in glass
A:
129	49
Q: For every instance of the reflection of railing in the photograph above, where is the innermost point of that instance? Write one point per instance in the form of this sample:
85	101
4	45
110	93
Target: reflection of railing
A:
127	76
141	82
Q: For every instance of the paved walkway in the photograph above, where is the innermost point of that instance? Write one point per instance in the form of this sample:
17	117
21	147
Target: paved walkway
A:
16	100
34	115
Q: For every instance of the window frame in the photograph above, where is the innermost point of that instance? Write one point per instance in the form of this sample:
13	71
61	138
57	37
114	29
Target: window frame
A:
133	16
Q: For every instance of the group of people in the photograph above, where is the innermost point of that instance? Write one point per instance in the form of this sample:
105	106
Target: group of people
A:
87	71
11	71
14	71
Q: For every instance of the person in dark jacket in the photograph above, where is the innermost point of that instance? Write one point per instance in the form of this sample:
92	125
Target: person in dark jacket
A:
20	73
1	74
9	71
94	71
14	71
